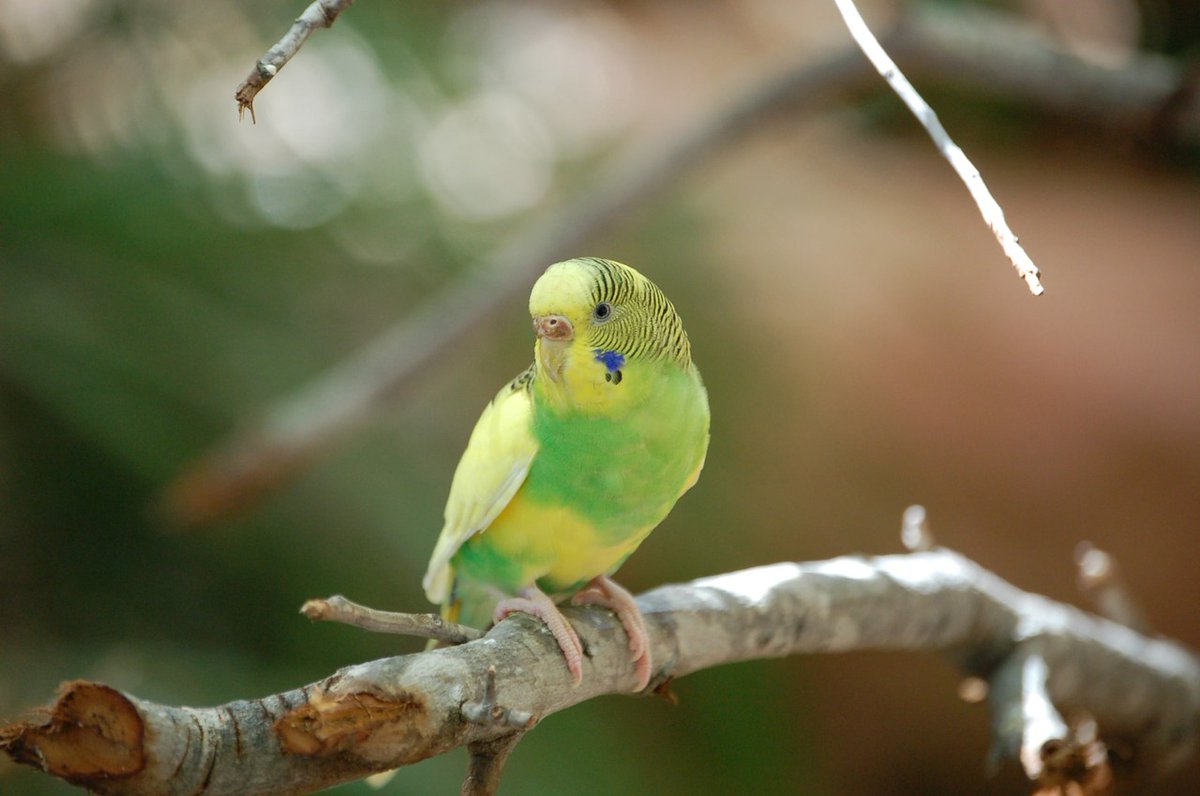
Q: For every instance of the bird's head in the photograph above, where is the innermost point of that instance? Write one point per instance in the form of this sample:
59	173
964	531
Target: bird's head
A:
604	308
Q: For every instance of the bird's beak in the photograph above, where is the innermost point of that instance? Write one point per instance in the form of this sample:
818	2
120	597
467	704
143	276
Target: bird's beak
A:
553	327
553	332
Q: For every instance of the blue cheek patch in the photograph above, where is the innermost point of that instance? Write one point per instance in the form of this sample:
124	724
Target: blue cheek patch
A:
613	360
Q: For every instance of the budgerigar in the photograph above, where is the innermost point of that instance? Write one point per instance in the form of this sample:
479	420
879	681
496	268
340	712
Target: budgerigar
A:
576	460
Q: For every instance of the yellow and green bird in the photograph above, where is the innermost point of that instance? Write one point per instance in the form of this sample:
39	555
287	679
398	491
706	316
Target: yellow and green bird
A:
576	460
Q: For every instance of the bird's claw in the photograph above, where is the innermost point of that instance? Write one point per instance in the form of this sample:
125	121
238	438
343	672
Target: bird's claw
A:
535	602
606	592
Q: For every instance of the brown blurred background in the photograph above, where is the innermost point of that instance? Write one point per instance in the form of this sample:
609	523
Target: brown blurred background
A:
167	274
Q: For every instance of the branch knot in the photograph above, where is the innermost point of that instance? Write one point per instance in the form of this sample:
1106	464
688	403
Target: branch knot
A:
488	713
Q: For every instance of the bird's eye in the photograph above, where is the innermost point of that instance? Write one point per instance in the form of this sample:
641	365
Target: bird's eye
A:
602	311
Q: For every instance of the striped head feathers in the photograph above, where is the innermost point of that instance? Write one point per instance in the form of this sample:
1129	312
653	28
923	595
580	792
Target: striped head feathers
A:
608	308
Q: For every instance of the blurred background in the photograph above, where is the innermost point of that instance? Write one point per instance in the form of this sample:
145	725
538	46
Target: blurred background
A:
168	274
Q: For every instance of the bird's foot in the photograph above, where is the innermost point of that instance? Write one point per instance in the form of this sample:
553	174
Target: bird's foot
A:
605	591
534	601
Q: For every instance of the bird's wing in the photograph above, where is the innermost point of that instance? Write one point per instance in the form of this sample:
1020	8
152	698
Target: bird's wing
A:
491	470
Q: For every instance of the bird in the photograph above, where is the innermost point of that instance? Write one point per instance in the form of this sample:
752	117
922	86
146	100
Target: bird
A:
575	461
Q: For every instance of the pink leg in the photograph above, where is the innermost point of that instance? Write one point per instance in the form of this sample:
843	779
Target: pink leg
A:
605	591
534	601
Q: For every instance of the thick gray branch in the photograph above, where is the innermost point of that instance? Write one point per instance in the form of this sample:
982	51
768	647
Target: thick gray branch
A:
391	712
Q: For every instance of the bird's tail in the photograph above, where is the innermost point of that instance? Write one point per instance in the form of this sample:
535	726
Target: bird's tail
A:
469	604
452	610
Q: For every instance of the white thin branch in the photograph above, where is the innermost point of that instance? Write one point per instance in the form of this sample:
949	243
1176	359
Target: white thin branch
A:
992	213
392	712
320	14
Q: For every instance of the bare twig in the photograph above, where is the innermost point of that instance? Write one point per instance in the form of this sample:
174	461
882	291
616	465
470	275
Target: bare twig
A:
1057	660
988	207
320	14
915	534
338	609
1101	582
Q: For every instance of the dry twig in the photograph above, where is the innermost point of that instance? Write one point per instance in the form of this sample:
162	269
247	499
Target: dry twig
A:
338	609
1100	581
320	14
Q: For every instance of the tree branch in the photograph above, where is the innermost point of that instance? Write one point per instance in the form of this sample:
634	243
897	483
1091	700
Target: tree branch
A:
988	53
487	763
1046	658
989	208
321	14
338	609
